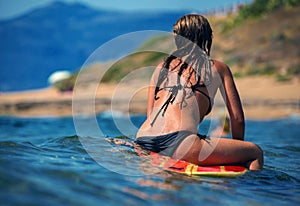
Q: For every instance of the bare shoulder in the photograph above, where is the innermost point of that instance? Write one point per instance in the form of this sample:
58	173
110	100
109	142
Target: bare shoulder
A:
222	68
161	64
159	67
157	71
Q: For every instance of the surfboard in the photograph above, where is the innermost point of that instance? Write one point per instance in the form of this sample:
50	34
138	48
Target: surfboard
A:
190	169
180	166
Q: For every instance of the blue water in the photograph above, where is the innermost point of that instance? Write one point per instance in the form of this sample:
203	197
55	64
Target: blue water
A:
43	162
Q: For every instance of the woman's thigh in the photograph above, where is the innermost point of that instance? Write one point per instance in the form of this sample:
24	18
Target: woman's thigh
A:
216	151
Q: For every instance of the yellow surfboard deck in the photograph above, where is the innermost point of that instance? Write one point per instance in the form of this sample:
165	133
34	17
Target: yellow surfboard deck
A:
183	167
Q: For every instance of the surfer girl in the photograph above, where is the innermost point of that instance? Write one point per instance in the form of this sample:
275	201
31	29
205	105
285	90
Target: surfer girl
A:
181	93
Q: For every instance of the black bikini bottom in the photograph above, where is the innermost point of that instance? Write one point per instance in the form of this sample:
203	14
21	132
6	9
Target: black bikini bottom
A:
164	144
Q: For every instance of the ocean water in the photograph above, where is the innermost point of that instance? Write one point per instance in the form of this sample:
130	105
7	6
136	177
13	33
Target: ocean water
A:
44	162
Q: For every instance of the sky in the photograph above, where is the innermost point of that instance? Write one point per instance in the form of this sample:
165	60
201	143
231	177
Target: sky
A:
13	8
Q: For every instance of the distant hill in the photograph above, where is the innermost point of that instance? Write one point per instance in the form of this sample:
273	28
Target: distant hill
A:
268	45
263	46
62	36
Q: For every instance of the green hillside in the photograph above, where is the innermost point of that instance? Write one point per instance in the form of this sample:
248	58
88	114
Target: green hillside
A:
263	44
261	39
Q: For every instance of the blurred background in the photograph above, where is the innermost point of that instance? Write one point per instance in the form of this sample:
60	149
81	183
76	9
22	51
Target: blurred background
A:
45	43
40	37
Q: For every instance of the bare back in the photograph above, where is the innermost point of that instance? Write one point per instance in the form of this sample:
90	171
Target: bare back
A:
188	108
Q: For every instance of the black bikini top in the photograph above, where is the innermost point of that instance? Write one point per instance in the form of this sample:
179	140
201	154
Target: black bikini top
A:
195	88
174	91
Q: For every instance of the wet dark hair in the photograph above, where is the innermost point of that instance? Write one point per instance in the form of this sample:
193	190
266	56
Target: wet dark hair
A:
194	28
193	39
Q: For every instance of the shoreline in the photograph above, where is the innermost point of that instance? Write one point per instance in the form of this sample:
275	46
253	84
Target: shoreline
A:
251	113
262	98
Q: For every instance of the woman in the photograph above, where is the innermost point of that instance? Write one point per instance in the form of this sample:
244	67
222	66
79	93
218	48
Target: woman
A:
181	94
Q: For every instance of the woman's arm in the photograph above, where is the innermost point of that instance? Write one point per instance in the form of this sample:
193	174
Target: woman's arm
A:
233	102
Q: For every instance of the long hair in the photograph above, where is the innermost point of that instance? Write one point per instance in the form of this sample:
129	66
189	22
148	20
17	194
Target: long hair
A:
193	39
194	28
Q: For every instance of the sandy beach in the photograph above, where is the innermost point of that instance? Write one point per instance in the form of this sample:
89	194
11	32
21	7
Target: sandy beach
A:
262	97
